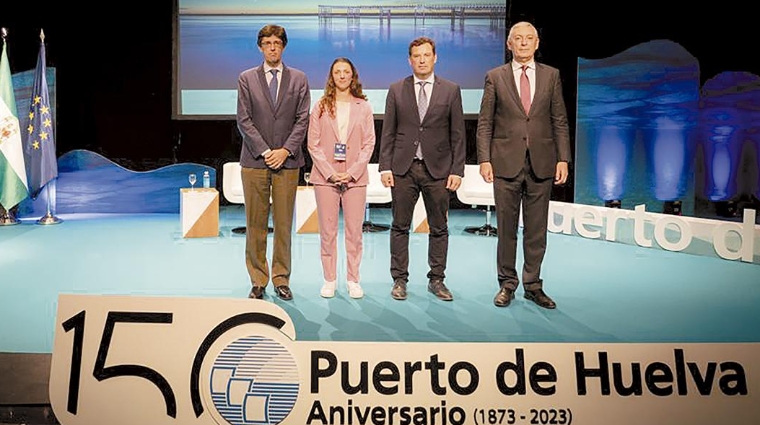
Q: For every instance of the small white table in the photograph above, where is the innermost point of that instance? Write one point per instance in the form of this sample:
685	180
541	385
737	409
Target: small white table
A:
199	212
306	217
419	217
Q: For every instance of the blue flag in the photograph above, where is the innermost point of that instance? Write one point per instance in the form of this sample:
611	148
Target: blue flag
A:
39	148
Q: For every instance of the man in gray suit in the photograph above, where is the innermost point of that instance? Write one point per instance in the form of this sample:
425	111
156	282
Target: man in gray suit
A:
523	145
422	150
272	116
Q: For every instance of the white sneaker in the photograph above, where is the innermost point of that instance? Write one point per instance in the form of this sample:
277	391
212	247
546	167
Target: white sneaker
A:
328	289
354	289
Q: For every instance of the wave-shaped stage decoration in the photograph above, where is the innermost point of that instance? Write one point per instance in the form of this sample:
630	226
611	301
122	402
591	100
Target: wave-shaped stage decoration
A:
90	183
729	132
637	114
648	134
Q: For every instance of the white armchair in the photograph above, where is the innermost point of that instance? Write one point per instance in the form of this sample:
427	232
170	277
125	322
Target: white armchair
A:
476	192
232	188
376	194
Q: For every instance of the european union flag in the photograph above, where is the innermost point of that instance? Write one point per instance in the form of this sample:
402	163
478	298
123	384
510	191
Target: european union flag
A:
39	148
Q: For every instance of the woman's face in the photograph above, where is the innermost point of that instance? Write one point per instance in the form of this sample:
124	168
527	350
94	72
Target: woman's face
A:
342	75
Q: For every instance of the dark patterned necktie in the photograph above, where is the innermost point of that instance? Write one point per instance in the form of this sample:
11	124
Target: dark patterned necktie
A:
273	85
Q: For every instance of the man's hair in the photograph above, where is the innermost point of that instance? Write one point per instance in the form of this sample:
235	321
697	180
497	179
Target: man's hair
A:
521	24
273	30
419	41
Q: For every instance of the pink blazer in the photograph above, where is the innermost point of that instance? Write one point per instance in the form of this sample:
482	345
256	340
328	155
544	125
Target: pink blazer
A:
360	143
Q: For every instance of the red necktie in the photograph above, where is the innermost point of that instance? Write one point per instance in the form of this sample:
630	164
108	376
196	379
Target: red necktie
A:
525	89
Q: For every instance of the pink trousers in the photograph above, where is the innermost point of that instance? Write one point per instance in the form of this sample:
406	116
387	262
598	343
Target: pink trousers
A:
330	200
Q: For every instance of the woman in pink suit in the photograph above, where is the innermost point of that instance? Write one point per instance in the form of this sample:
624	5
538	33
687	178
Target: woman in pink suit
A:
341	140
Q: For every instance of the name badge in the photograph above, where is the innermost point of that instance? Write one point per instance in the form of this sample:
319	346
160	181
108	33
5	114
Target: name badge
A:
340	152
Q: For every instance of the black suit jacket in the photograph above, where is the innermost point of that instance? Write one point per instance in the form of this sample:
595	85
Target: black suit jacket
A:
441	132
505	131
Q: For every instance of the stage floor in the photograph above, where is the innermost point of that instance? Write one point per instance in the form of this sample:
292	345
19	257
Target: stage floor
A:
606	292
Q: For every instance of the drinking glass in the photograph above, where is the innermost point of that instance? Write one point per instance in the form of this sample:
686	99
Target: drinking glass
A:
192	178
307	177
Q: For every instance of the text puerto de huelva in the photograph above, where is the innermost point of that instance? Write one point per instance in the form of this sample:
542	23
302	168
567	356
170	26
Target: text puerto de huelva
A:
595	374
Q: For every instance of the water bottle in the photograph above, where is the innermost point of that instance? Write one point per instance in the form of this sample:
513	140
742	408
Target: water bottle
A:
206	179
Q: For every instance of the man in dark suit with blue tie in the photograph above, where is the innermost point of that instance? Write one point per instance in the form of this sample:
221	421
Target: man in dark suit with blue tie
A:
523	145
422	150
272	116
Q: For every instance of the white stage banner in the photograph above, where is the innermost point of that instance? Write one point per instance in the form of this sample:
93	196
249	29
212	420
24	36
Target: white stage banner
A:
162	360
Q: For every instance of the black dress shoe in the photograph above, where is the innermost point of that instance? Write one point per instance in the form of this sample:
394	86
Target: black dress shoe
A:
540	298
283	291
504	297
437	287
399	290
257	292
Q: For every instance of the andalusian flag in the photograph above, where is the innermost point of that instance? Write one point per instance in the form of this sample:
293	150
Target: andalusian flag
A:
13	188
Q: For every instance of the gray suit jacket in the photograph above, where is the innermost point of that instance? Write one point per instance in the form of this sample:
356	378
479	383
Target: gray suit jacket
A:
505	131
441	133
265	125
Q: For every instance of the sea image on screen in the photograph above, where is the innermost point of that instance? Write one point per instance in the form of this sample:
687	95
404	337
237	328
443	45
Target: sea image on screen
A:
218	42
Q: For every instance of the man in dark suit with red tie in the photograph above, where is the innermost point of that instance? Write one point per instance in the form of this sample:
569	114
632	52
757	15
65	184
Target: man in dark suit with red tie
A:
422	150
523	145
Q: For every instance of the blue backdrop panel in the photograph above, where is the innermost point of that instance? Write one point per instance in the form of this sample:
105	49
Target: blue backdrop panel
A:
729	137
90	183
636	127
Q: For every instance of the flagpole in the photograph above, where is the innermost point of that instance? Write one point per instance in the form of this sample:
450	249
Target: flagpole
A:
49	217
40	109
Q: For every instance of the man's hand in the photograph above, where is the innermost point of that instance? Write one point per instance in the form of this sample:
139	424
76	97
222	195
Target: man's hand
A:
560	175
486	171
276	158
453	182
387	179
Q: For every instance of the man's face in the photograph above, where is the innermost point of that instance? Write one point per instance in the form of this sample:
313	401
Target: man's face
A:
422	60
271	47
523	43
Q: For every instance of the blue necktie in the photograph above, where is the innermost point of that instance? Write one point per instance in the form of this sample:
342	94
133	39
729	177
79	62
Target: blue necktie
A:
273	85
